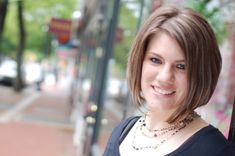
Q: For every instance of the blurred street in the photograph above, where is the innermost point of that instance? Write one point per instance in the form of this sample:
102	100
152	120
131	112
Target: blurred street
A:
36	123
72	58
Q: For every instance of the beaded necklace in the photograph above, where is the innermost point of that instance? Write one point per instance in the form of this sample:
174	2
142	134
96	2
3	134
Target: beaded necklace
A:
156	132
169	131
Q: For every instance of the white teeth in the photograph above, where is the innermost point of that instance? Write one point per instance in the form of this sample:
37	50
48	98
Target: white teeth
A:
164	92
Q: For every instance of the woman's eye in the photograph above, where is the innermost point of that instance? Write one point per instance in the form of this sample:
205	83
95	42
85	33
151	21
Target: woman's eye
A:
181	66
155	60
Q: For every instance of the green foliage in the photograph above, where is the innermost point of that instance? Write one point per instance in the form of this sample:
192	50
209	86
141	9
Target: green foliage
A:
10	33
213	15
37	14
128	22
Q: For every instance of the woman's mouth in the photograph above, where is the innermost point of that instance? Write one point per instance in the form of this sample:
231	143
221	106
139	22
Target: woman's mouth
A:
163	91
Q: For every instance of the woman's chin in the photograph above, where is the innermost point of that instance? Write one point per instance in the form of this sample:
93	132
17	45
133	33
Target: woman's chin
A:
159	107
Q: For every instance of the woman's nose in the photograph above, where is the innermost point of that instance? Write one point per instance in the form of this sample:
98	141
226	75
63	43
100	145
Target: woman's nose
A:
166	75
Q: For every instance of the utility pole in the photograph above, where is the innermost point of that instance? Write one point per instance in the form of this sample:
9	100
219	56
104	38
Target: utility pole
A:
103	70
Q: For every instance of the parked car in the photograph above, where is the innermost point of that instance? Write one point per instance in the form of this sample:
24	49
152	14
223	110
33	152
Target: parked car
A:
8	72
31	73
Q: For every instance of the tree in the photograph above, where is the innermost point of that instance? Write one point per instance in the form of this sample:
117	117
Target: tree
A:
36	17
213	14
3	13
20	49
32	24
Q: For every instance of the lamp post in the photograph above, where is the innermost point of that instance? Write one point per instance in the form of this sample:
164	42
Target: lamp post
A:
108	48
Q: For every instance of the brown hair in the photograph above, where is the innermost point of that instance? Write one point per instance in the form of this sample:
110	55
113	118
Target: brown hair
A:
198	42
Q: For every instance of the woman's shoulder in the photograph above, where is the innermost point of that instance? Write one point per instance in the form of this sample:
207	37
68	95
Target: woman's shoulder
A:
228	150
118	134
217	142
125	124
123	127
129	120
211	141
211	134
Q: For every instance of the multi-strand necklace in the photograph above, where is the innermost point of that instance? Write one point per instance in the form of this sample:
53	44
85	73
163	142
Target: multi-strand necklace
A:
166	132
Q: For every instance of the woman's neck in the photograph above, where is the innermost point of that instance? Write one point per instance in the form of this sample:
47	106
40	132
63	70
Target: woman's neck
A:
156	120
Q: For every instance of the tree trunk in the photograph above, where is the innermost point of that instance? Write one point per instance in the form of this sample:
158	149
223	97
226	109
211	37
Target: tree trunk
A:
20	49
3	13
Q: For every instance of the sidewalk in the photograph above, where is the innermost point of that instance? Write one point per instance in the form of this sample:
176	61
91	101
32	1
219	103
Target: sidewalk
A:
36	123
30	139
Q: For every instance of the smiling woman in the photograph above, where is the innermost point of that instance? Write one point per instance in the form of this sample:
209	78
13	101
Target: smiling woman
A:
164	77
173	68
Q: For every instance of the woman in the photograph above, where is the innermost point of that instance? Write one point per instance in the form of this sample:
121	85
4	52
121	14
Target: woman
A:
173	68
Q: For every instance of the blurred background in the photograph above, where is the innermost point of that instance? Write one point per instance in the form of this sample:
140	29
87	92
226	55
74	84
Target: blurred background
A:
63	70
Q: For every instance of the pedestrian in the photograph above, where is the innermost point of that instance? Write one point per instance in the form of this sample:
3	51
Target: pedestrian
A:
173	68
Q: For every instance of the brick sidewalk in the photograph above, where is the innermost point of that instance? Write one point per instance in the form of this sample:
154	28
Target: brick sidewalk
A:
29	139
42	129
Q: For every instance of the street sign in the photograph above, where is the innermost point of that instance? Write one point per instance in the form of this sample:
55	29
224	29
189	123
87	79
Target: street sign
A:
61	28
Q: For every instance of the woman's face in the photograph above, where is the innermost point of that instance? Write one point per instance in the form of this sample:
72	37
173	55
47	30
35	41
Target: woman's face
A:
164	74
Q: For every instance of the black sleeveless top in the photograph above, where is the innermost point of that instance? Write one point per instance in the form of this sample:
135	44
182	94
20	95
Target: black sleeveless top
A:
208	141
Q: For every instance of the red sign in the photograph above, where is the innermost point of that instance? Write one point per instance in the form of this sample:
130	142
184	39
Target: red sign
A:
60	26
62	29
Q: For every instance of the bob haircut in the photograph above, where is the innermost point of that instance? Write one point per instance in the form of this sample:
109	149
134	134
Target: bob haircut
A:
198	43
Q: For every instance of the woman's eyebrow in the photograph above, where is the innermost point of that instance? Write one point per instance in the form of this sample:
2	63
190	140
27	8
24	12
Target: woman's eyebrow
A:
157	55
180	61
153	53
